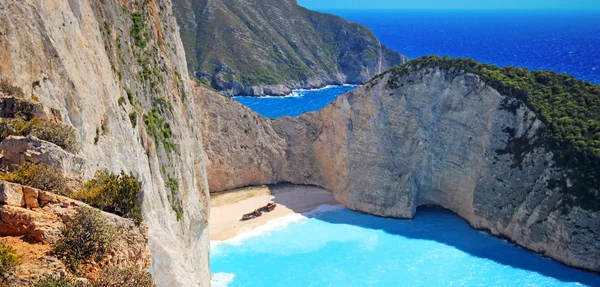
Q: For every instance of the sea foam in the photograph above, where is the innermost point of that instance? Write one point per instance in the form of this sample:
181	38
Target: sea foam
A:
221	279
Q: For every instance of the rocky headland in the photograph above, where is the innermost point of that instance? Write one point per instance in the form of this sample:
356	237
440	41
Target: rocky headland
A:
427	133
257	48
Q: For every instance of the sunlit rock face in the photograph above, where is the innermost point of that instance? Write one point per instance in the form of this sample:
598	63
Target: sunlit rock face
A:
84	59
432	137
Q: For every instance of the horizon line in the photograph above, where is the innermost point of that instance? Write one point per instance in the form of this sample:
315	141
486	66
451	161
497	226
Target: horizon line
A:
460	9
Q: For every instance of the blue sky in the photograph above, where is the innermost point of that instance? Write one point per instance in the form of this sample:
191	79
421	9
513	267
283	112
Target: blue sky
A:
450	4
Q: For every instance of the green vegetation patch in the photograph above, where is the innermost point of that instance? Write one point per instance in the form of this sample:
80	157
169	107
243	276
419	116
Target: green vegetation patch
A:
59	281
8	259
138	31
114	193
160	129
174	200
40	176
56	133
133	118
569	107
128	276
123	277
88	236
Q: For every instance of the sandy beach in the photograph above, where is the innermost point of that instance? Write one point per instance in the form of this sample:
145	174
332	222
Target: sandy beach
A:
226	208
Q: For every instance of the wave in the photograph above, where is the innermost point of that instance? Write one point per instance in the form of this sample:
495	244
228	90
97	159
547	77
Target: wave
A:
322	209
221	279
275	224
299	92
325	88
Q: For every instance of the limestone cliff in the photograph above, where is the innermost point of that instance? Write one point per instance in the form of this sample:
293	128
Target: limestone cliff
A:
243	47
116	71
242	147
434	135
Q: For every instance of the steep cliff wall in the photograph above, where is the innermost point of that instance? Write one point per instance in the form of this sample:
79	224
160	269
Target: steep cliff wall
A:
242	147
436	136
116	71
243	47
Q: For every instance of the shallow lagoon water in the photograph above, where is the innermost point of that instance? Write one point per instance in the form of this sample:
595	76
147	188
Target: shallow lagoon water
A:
346	248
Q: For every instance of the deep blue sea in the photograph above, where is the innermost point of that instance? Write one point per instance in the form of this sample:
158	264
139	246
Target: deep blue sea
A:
562	41
345	248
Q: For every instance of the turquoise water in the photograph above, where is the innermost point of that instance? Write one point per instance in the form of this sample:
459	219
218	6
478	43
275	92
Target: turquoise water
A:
298	102
346	248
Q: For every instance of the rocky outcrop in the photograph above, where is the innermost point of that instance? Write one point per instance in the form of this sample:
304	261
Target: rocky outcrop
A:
18	150
39	216
14	107
268	47
430	137
116	72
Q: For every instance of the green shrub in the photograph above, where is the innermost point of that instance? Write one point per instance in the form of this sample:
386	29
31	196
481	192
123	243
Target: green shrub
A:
8	258
10	127
87	236
121	101
138	31
133	118
163	104
108	27
56	133
158	127
40	176
115	193
130	96
173	186
59	134
123	277
56	281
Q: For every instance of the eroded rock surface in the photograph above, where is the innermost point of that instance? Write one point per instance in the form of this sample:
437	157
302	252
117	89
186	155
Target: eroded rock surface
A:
18	150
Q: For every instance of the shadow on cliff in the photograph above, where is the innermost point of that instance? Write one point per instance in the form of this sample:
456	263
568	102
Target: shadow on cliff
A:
443	226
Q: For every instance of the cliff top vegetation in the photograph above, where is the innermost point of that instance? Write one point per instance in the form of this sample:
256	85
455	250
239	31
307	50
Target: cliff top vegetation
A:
570	108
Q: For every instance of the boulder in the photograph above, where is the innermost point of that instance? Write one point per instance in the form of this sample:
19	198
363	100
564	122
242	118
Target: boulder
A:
11	194
35	226
45	197
30	195
18	150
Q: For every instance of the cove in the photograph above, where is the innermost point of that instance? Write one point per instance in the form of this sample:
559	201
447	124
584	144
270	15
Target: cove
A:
346	248
298	102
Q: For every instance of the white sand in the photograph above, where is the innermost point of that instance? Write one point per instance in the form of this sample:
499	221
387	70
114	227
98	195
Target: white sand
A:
226	209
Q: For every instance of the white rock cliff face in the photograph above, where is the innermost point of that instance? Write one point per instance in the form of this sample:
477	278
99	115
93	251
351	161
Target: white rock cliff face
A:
432	137
80	58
